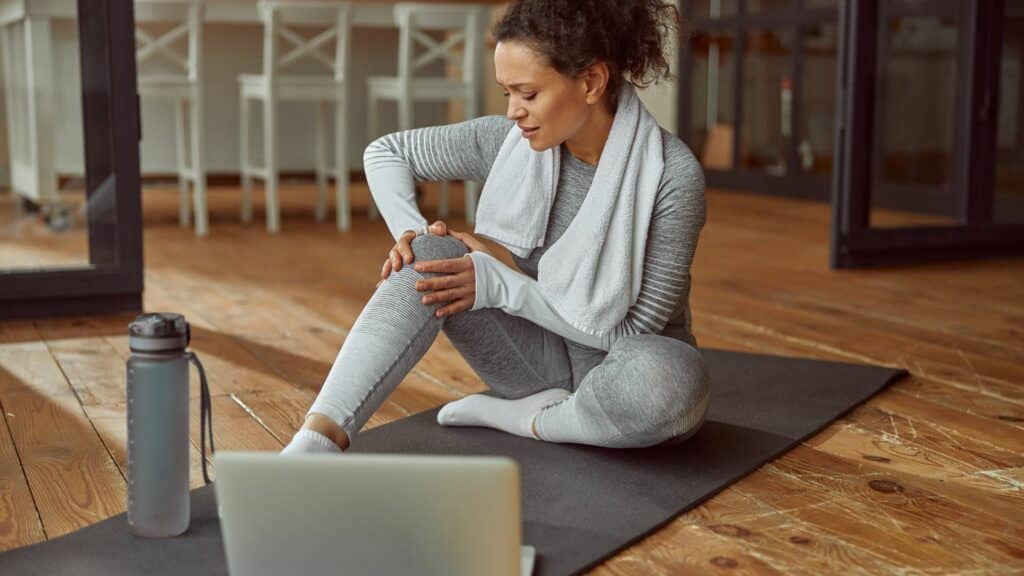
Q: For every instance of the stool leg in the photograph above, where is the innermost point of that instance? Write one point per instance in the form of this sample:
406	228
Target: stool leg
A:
243	140
199	163
374	130
321	161
270	163
184	208
341	179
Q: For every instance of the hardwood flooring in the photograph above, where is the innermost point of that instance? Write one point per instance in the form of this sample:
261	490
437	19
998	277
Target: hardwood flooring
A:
928	477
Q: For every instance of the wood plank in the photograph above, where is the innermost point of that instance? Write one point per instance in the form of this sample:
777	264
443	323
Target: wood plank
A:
281	364
689	549
926	477
908	456
935	316
234	429
846	518
975	538
720	332
19	522
94	369
17	331
231	366
775	533
864	343
69	471
111	424
282	416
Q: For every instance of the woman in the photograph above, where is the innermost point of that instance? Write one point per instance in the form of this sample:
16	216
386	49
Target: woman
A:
617	366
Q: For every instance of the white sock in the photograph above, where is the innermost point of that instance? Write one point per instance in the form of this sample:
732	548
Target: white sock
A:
307	441
512	416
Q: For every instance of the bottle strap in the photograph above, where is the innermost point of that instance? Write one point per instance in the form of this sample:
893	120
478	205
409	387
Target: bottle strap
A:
205	412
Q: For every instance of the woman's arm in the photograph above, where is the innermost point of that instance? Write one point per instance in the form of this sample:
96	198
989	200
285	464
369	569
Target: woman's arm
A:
394	163
498	286
678	218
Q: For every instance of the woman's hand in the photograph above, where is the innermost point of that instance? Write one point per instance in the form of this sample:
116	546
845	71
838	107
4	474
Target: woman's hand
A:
402	251
457	285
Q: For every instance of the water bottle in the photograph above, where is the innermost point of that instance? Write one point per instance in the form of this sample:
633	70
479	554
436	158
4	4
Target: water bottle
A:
158	425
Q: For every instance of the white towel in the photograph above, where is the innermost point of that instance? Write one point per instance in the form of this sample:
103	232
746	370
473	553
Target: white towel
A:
592	274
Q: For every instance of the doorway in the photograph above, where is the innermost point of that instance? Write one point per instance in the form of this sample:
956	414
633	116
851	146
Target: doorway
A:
928	144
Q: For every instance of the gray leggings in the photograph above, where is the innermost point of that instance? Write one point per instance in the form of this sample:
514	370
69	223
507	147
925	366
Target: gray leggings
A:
648	389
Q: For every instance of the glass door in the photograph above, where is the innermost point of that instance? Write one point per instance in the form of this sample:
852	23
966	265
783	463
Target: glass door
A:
758	93
923	95
70	222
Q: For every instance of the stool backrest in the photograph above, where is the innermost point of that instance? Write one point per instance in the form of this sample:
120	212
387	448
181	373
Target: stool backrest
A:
149	44
333	18
460	21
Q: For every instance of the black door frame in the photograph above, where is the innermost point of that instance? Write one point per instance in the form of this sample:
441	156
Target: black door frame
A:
853	242
112	281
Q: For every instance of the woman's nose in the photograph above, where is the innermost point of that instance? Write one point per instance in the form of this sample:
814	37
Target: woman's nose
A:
514	112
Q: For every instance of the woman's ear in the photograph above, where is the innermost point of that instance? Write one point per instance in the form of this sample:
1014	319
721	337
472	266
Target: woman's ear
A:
595	78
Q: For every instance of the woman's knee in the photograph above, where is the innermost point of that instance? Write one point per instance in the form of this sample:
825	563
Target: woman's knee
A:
400	290
435	247
661	388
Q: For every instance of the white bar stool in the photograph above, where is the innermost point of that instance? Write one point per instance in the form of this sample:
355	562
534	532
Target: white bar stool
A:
270	87
462	23
183	86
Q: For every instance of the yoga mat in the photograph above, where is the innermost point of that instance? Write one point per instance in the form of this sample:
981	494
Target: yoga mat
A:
581	504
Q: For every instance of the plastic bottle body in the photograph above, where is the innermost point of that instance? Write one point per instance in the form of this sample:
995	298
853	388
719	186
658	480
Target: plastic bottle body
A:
158	444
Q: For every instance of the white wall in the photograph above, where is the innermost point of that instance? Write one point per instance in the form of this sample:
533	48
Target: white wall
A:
230	50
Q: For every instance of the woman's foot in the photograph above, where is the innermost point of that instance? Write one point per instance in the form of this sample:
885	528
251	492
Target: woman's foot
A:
512	416
309	442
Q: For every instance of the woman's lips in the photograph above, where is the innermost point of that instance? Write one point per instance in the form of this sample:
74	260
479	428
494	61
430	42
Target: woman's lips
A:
530	133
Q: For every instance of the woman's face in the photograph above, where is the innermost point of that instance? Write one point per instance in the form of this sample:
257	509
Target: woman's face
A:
548	106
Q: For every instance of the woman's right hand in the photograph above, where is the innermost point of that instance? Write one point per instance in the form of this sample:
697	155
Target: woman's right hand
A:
402	254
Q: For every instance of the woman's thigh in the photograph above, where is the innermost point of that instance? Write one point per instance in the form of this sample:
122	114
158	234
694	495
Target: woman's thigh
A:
512	355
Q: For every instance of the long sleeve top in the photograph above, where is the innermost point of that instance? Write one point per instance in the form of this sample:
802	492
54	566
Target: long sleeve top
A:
466	151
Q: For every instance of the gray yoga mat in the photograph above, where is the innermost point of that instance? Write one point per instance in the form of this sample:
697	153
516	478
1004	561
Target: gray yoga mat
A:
581	504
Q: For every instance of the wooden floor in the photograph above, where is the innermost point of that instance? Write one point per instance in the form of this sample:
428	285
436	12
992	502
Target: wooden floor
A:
926	477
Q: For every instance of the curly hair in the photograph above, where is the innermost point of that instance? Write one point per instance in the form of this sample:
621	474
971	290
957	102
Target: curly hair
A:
627	35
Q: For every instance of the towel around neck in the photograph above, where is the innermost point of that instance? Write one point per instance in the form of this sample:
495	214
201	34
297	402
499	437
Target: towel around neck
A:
592	274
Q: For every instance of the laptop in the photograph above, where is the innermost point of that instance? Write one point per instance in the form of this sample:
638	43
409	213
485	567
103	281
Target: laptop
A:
358	514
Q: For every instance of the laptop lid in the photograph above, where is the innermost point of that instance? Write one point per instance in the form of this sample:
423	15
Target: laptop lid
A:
368	514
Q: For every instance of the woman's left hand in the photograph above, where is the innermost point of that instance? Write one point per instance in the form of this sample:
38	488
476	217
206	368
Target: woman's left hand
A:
457	284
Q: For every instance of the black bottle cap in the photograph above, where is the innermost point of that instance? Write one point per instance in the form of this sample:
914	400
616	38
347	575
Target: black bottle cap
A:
158	332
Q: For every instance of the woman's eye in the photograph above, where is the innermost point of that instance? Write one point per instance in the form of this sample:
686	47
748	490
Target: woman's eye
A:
530	97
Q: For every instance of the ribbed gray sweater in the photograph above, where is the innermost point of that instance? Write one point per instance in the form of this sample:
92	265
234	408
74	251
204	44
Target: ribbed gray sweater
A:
466	151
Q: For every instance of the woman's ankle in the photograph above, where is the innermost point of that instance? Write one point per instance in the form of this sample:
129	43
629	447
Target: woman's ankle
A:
324	425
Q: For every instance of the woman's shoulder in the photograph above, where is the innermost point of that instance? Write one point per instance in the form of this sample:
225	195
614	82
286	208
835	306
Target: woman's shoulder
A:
682	169
682	178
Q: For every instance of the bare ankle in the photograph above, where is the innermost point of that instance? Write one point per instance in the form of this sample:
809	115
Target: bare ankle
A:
329	428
